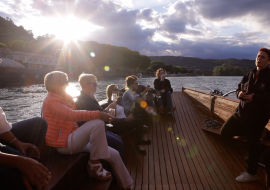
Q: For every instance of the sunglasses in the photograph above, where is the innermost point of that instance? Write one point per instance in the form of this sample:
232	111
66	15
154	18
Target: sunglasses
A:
136	83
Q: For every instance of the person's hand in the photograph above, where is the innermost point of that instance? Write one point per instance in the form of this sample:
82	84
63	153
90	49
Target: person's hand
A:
241	94
35	173
40	185
28	150
130	117
146	90
162	77
162	91
106	117
113	105
248	98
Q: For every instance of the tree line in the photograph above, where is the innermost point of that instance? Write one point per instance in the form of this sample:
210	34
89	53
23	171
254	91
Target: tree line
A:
228	70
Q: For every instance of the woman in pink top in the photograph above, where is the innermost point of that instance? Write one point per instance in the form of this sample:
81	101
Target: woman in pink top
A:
64	134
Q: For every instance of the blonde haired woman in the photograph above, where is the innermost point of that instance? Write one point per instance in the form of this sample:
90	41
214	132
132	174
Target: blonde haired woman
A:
64	134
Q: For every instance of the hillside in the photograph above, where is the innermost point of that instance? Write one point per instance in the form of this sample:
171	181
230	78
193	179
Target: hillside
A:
195	63
9	31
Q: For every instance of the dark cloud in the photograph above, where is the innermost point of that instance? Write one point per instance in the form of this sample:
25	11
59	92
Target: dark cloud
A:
216	48
178	21
145	14
222	9
245	35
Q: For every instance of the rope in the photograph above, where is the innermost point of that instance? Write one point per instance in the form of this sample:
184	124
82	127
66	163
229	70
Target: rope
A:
211	123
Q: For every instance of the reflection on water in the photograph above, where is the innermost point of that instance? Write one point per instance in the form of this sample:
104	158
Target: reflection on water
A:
25	102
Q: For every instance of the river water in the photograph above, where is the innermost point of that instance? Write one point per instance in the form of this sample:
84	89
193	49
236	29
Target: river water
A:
25	102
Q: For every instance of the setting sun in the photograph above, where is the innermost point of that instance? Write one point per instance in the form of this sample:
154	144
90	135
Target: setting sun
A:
72	28
67	28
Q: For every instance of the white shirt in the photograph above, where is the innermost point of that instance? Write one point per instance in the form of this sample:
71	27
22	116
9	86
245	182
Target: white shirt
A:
4	125
120	112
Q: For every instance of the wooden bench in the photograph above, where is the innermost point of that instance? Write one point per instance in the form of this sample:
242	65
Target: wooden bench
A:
69	171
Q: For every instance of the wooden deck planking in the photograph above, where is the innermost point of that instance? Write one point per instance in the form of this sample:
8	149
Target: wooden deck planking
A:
209	158
201	166
213	158
205	162
226	156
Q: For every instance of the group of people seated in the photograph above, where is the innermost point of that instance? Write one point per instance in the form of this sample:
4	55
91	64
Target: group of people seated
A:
72	127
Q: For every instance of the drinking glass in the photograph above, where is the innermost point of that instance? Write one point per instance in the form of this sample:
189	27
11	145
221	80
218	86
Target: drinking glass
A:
114	97
112	113
243	87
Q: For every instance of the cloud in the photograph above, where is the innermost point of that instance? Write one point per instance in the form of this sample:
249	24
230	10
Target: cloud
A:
195	28
220	9
146	14
180	16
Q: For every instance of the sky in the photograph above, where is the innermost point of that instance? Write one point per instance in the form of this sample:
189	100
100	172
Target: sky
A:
214	29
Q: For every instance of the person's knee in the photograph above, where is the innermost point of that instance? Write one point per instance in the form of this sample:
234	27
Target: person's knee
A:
114	154
42	123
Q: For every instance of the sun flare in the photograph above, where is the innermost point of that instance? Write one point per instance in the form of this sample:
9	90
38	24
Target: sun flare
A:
71	28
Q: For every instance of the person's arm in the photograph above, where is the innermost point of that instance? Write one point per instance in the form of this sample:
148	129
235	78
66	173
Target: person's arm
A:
60	110
33	151
168	86
131	96
239	93
35	171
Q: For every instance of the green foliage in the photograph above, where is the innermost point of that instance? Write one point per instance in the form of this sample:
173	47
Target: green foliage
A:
228	70
17	45
155	65
9	31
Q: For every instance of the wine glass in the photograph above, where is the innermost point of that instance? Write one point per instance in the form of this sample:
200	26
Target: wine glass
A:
148	84
112	113
114	97
243	87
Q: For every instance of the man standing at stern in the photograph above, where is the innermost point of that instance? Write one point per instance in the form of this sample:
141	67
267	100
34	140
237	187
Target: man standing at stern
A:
252	113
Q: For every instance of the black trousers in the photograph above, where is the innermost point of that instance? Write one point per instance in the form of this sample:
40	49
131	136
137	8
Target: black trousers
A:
123	127
252	129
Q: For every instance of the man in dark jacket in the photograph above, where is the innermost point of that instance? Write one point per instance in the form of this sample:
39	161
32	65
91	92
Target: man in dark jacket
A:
163	86
252	112
88	102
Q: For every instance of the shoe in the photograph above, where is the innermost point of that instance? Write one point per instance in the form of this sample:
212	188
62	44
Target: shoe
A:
153	113
101	175
142	151
148	141
161	110
171	110
145	126
246	177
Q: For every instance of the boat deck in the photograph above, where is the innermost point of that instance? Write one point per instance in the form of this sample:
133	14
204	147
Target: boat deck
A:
183	156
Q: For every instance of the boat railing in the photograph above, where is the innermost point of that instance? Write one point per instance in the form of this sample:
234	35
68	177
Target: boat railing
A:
229	93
